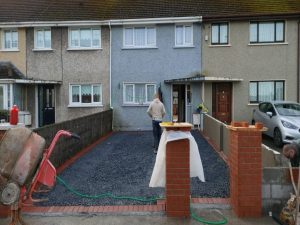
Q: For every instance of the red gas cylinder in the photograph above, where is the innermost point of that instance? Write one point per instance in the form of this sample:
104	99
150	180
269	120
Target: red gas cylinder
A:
14	115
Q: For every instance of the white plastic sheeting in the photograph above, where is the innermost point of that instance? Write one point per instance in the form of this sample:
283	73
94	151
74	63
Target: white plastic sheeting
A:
158	178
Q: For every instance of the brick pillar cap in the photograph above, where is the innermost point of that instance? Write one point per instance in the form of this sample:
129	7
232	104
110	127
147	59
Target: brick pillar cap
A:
245	126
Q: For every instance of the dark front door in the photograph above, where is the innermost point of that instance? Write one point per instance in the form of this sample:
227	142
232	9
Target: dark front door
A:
178	98
222	101
46	105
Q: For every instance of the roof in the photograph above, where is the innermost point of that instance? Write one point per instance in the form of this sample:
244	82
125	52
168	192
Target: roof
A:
78	10
9	71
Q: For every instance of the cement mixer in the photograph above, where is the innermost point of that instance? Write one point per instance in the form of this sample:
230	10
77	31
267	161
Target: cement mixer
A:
24	167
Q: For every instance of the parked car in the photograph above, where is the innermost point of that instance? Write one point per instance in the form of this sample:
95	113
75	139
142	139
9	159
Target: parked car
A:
282	119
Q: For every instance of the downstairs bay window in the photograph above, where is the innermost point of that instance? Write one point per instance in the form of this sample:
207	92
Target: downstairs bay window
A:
138	93
85	95
260	91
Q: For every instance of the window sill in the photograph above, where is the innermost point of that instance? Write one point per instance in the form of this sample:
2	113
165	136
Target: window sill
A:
42	50
253	104
83	49
225	45
10	50
136	105
84	105
264	44
138	48
184	46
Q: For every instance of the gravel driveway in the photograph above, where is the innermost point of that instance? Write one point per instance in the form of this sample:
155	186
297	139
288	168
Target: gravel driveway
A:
123	163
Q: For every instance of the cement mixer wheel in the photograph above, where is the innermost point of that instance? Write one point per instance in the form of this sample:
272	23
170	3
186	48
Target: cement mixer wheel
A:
10	194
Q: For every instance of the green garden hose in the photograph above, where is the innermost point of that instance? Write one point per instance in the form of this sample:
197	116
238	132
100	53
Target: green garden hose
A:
110	195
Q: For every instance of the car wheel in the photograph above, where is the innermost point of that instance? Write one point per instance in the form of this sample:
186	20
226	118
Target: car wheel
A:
277	138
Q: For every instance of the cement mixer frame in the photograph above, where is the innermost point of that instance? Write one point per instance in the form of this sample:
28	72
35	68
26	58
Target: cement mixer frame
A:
17	186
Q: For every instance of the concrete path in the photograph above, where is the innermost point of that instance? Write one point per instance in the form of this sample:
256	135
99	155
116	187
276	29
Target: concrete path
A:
137	219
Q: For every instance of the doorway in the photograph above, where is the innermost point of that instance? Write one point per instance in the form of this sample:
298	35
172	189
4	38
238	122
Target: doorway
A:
222	101
46	99
178	103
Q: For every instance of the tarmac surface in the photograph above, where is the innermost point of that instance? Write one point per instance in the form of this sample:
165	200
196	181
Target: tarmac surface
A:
144	219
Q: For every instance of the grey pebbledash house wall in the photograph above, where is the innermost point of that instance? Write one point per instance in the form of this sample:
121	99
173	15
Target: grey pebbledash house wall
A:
151	65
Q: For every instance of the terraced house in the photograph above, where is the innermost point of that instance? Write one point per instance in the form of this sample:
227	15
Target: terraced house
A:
65	59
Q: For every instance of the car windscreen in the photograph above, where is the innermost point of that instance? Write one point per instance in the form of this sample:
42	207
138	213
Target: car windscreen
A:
288	109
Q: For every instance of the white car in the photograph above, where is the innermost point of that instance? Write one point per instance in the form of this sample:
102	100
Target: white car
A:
282	119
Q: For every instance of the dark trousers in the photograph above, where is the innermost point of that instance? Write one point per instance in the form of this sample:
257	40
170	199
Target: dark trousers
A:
156	132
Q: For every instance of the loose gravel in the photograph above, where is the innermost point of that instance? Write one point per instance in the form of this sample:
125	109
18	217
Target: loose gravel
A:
123	164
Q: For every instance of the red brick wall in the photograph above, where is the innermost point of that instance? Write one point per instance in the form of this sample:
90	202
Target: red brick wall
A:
178	178
245	163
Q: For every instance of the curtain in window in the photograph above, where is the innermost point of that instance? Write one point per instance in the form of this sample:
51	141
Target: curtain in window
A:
266	32
47	39
179	35
279	91
85	38
139	93
39	39
253	32
266	91
223	33
14	43
253	92
86	93
128	93
150	92
279	31
75	38
151	36
139	36
188	35
7	37
96	93
128	36
96	37
75	94
215	34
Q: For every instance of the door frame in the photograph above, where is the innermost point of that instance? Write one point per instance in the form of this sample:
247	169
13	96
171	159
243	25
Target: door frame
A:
185	100
214	98
39	107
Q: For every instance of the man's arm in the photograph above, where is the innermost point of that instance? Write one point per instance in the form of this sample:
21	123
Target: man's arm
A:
149	110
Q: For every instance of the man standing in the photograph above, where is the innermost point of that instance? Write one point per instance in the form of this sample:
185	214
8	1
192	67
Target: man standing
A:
292	152
156	111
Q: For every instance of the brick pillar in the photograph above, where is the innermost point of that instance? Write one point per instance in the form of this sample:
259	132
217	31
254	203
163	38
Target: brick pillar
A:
245	163
178	178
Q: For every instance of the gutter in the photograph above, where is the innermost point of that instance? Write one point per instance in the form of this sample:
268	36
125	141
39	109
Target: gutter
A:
102	22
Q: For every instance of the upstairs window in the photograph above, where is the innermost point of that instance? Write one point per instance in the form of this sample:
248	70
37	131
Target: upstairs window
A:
138	93
266	91
85	94
267	32
42	38
183	35
10	40
84	38
139	37
219	34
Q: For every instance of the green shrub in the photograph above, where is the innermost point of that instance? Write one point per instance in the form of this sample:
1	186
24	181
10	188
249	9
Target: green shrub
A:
4	115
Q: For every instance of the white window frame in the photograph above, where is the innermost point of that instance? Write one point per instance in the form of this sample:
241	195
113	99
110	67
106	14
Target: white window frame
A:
219	37
7	95
80	103
92	47
35	38
134	103
134	45
258	35
10	48
184	43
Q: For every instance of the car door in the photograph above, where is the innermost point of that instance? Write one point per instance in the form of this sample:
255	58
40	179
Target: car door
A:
270	120
261	116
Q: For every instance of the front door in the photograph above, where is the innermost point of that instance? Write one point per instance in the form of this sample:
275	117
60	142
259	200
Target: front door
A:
179	104
222	102
46	105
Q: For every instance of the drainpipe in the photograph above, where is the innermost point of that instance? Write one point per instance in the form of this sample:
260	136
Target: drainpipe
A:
110	37
298	64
